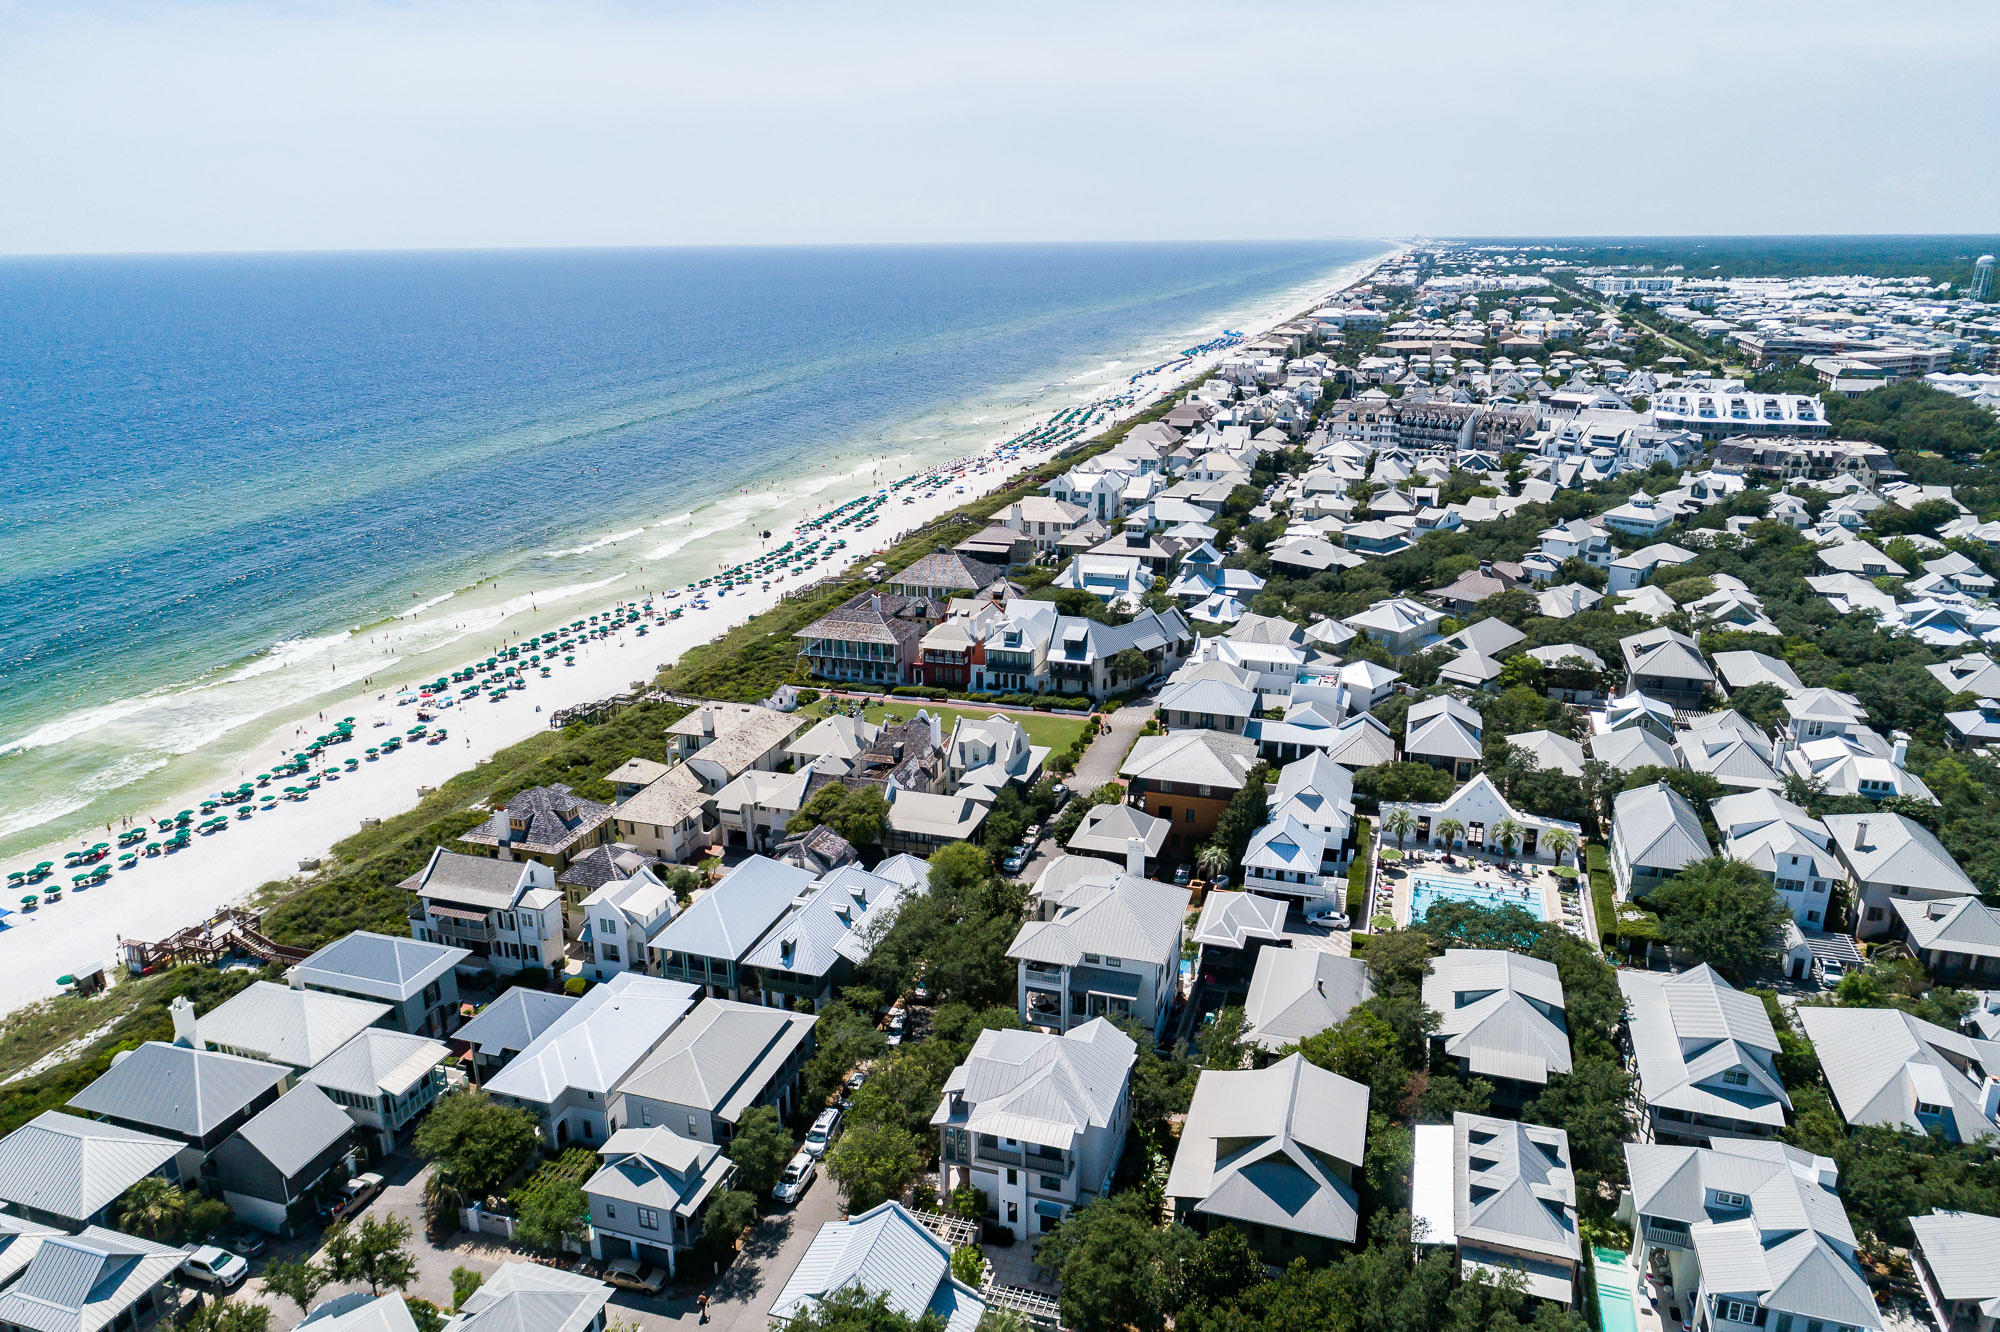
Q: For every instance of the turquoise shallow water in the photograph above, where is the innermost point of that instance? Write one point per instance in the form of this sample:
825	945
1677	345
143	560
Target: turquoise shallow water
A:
215	470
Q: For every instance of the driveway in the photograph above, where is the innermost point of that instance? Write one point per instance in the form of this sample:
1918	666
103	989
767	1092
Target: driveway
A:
739	1297
1100	762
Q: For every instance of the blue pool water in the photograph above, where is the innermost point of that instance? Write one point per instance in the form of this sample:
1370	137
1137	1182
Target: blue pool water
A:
1431	890
1614	1298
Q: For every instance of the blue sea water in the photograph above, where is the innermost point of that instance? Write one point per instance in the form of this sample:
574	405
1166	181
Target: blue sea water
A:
214	469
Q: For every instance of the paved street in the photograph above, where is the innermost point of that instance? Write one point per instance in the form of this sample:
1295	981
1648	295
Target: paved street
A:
738	1299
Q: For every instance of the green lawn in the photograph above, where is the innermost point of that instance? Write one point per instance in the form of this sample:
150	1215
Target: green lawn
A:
1043	728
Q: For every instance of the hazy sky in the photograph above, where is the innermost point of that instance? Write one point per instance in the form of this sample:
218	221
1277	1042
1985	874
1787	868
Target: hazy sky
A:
163	126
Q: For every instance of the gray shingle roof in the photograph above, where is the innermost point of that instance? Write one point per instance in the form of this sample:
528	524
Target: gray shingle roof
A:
1881	1063
528	1297
1119	914
381	966
85	1282
295	1128
482	881
721	1057
1501	1012
512	1021
379	1060
73	1167
595	1044
1300	992
1042	1088
288	1026
1659	827
1962	1250
1257	1145
656	1167
1687	1031
884	1251
182	1091
556	819
1205	758
729	919
1231	920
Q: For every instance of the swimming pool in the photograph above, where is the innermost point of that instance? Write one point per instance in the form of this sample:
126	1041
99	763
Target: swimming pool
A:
1429	889
1614	1296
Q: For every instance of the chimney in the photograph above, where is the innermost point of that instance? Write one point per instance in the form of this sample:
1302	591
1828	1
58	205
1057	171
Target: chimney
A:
183	1015
1989	1097
1902	749
708	722
1135	856
1861	842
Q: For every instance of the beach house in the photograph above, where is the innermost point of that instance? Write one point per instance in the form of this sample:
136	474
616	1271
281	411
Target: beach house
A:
567	1075
1036	1122
1706	1056
384	1080
873	639
1504	1196
884	1253
1187	779
723	1059
550	825
418	980
1273	1152
506	914
1500	1018
705	945
650	1191
1104	944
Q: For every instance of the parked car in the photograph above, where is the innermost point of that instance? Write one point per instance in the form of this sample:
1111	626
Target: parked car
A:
1015	861
357	1194
798	1177
1181	877
215	1267
1033	835
854	1081
896	1024
1328	914
249	1243
627	1274
821	1135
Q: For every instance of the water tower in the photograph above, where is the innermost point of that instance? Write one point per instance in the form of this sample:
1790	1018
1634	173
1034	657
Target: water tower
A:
1982	278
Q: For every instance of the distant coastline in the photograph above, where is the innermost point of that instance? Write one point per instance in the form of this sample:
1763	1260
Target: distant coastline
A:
135	750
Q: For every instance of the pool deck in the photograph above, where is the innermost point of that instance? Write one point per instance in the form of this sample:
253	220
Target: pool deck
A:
1534	886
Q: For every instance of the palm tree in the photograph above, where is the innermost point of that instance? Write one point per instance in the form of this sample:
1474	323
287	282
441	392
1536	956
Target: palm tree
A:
1212	860
152	1209
1449	831
1400	823
1508	834
1560	842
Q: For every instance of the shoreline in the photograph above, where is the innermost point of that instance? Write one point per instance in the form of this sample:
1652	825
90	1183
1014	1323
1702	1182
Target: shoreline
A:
170	891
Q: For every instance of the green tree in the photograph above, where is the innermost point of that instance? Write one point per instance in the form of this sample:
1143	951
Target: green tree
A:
474	1144
464	1281
551	1215
427	1316
1212	860
729	1214
371	1252
232	1317
1106	1254
1761	704
874	1163
1560	842
1399	823
859	814
760	1147
299	1280
1448	831
1362	1047
1247	811
1592	1104
851	1309
968	1264
1721	912
154	1209
1221	1041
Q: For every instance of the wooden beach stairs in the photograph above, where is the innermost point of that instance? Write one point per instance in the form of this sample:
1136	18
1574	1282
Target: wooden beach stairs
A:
227	933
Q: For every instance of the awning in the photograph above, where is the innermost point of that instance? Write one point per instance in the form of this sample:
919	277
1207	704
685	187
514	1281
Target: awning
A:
1043	1207
456	913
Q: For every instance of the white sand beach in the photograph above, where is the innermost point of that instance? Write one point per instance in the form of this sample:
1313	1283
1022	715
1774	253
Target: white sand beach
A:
165	893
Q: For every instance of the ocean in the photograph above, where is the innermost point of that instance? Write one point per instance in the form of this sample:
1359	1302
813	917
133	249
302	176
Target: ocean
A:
234	487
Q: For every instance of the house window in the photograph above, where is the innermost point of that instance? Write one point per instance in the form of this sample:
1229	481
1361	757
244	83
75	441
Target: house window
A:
1051	1183
1732	1200
1874	913
610	1210
1735	1077
648	1219
1013	1212
1740	1311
